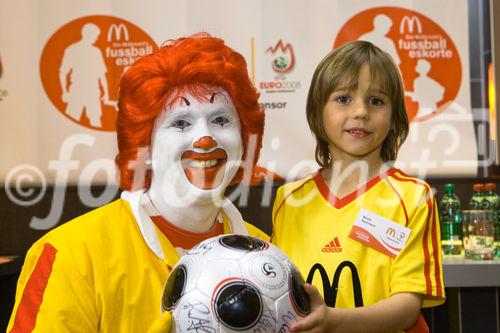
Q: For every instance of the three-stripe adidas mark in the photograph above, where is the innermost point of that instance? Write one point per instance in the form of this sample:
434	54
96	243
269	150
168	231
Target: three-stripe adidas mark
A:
332	246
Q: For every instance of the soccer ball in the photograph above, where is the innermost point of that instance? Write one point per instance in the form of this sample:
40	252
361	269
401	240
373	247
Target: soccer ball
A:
235	283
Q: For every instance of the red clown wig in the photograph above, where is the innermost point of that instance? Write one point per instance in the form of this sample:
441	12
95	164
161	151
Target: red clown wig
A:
194	62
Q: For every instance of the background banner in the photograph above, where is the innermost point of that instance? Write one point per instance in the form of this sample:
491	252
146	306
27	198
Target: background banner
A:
60	64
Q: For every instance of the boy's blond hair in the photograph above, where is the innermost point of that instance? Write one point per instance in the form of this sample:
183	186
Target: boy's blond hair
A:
340	69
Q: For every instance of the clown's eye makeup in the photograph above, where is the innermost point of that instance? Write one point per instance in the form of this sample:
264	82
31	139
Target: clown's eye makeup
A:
180	124
221	121
214	97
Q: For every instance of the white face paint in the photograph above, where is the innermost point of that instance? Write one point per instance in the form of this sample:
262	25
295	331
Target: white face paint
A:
196	149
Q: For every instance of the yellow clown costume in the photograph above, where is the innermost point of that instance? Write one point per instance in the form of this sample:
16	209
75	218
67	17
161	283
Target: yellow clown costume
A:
101	272
317	230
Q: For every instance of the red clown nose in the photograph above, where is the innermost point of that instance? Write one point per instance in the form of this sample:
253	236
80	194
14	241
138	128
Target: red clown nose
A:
206	143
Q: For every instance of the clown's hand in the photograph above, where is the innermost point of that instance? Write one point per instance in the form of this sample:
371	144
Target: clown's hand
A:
162	324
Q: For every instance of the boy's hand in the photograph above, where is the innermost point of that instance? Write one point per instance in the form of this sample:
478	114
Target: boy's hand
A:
318	320
162	324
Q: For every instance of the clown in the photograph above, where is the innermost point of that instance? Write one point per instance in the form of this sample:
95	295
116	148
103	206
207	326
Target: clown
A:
189	125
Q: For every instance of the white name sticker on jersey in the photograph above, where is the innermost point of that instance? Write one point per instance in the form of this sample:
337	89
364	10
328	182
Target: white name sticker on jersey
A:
379	233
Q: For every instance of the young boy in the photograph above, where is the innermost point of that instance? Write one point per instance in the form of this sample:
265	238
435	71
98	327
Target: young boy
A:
362	232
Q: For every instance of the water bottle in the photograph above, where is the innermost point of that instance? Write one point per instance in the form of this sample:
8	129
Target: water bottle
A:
450	218
491	201
477	198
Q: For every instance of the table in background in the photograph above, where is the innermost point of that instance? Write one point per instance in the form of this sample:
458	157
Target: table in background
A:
473	297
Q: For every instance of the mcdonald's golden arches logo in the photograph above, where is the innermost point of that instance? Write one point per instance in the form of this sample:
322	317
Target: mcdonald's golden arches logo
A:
423	51
81	65
409	23
391	232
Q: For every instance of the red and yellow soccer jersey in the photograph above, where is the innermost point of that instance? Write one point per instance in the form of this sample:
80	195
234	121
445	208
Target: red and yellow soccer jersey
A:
312	226
94	274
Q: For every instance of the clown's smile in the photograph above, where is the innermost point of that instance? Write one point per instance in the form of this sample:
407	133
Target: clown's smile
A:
204	170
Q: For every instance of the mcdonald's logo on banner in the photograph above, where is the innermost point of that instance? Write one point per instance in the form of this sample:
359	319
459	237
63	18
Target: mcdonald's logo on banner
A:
410	23
118	31
423	51
81	66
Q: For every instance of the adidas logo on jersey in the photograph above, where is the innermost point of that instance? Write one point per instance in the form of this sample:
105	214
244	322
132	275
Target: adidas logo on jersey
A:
333	246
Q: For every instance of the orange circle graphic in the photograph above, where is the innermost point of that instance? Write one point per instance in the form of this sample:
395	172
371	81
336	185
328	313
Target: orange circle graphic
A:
81	65
427	57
